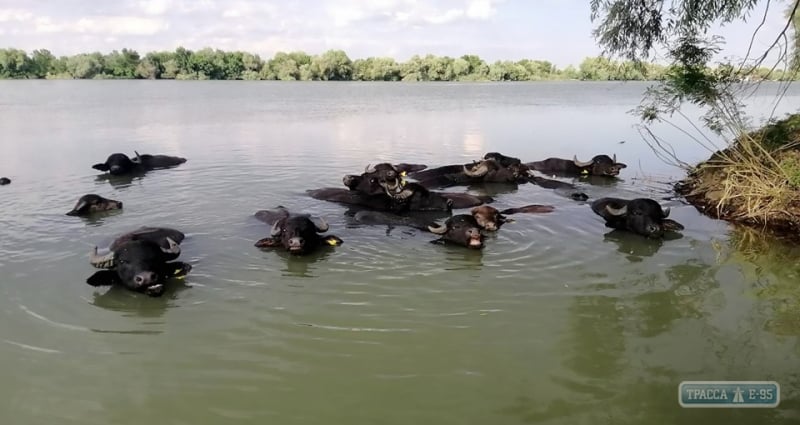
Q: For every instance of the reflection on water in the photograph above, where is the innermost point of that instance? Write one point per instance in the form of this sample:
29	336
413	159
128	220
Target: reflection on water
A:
634	246
557	320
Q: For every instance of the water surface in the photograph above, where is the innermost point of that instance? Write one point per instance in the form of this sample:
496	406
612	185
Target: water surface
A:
558	320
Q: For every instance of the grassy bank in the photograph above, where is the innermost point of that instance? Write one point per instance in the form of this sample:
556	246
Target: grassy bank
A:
755	182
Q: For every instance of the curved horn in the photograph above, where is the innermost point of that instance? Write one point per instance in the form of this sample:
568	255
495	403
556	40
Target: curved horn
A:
174	248
101	261
439	229
614	160
581	163
369	169
276	228
320	224
480	170
665	211
78	207
138	158
402	195
617	211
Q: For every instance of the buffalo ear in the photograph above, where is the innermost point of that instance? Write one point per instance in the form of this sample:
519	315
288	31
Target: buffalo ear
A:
269	242
332	240
103	278
671	225
621	165
101	167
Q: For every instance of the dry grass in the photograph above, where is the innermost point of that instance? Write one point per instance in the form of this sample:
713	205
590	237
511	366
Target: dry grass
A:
757	180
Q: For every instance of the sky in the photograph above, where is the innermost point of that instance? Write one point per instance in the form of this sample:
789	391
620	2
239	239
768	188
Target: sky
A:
556	30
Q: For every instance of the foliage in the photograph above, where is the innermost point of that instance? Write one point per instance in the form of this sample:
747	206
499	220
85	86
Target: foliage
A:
637	29
333	65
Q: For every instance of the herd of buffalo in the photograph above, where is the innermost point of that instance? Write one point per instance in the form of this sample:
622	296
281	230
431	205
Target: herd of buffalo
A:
395	194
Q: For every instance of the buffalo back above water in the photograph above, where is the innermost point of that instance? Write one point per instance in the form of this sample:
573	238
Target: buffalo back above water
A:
119	164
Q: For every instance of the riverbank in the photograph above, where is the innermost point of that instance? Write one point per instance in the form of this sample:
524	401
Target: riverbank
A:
756	182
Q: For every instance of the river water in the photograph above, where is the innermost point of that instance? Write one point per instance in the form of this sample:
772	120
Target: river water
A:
557	321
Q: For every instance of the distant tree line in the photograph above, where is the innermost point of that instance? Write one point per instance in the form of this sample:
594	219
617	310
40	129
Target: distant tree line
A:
333	65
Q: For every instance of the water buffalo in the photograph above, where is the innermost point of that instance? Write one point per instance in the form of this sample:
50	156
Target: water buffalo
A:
641	215
408	197
4	181
380	177
461	229
119	164
491	170
88	204
297	233
140	260
600	165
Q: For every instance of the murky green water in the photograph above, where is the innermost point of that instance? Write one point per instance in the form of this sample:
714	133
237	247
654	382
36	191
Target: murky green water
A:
556	321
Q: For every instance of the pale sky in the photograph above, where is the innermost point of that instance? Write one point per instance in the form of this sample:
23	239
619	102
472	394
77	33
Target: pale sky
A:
554	30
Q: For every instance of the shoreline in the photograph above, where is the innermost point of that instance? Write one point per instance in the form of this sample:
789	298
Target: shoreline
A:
755	182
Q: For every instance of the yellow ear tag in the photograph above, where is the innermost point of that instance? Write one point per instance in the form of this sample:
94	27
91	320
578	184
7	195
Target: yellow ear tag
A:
585	172
403	173
332	242
178	271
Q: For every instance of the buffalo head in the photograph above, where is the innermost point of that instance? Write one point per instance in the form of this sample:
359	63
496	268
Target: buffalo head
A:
493	171
117	164
503	160
600	165
415	197
376	179
641	215
140	261
489	218
88	204
460	229
297	233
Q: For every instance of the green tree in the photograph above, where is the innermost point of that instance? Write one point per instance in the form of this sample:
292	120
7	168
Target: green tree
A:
14	63
121	64
41	63
333	65
85	65
636	30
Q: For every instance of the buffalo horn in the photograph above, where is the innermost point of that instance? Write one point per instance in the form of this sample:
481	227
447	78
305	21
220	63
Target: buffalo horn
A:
174	248
615	159
479	170
101	261
403	194
617	211
369	169
319	223
580	163
439	229
138	158
666	212
276	228
78	207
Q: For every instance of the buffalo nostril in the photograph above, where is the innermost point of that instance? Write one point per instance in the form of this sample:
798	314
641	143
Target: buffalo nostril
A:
144	278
